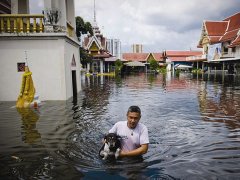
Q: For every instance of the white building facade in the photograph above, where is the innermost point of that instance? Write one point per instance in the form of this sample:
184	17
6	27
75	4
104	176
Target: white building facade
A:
51	47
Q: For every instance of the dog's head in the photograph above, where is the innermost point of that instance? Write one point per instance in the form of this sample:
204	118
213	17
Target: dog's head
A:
112	140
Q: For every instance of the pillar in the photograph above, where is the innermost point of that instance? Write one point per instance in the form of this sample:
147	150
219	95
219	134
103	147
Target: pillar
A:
63	18
223	67
20	6
88	67
101	66
70	13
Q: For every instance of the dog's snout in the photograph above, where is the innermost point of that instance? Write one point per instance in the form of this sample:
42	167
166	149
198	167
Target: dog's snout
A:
112	141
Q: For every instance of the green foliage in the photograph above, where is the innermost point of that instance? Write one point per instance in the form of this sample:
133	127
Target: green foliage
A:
82	27
85	57
162	70
118	66
177	72
153	64
197	71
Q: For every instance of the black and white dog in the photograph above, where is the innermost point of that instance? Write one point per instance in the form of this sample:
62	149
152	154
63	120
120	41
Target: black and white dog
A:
111	146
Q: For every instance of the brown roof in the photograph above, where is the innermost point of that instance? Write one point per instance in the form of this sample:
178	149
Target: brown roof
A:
86	40
214	39
157	56
236	42
183	53
234	22
216	28
229	35
222	31
135	56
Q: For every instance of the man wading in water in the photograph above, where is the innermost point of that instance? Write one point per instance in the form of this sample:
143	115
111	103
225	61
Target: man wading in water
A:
134	135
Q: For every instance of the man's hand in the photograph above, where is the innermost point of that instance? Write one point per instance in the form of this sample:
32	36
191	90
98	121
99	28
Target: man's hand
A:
136	152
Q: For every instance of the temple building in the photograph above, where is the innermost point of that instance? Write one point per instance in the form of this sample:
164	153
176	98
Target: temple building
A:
96	45
220	42
46	43
99	47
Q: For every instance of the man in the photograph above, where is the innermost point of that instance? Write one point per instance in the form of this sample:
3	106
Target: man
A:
134	135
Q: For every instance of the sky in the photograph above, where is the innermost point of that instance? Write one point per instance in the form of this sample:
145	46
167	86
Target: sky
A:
156	24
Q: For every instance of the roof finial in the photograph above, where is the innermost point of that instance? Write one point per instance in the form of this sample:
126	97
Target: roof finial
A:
94	15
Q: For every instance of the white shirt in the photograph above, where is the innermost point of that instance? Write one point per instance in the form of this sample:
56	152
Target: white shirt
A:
130	138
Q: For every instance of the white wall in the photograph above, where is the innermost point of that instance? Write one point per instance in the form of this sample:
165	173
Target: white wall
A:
49	61
71	50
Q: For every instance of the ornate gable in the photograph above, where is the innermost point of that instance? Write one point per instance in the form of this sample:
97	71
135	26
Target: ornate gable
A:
150	57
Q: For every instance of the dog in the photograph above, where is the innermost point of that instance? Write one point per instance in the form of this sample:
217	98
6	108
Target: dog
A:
111	146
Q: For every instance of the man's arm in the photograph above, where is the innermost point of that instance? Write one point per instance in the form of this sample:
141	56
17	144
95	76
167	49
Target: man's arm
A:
136	152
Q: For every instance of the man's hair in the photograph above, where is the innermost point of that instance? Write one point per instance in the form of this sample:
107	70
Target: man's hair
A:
134	109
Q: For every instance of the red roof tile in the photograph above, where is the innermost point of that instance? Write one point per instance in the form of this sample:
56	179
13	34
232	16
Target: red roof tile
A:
229	35
216	28
157	56
236	42
182	53
222	31
135	56
214	39
234	22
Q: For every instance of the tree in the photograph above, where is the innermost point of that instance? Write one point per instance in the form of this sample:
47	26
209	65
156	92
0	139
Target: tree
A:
118	66
85	58
88	28
83	27
153	64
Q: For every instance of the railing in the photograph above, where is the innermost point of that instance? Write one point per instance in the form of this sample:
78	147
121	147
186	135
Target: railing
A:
197	57
21	23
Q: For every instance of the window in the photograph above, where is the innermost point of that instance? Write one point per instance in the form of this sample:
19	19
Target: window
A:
225	50
234	49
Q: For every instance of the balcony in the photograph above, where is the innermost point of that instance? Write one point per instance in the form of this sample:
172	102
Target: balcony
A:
21	23
30	24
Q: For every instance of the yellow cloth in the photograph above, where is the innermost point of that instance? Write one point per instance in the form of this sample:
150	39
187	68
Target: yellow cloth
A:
27	90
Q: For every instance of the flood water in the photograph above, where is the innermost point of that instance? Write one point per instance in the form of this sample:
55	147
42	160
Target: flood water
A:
193	123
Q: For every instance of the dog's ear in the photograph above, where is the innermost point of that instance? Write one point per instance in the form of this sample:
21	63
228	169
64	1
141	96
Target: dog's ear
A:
105	136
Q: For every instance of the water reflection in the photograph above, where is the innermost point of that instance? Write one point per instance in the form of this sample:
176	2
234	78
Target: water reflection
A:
220	103
193	127
29	119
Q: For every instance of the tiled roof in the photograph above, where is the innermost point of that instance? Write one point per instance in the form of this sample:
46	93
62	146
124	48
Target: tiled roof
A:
173	55
86	40
157	56
183	53
216	28
236	42
229	35
234	22
222	31
214	39
135	56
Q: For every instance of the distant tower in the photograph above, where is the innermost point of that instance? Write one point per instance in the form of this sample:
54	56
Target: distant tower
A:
137	48
114	47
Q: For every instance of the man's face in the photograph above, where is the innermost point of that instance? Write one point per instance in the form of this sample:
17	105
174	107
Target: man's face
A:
133	119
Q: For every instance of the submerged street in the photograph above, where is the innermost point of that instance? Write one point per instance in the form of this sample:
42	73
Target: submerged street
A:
193	124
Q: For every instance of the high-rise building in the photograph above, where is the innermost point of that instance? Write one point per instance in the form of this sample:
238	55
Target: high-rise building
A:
137	48
114	47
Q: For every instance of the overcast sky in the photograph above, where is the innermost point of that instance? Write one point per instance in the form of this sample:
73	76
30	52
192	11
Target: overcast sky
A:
157	24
